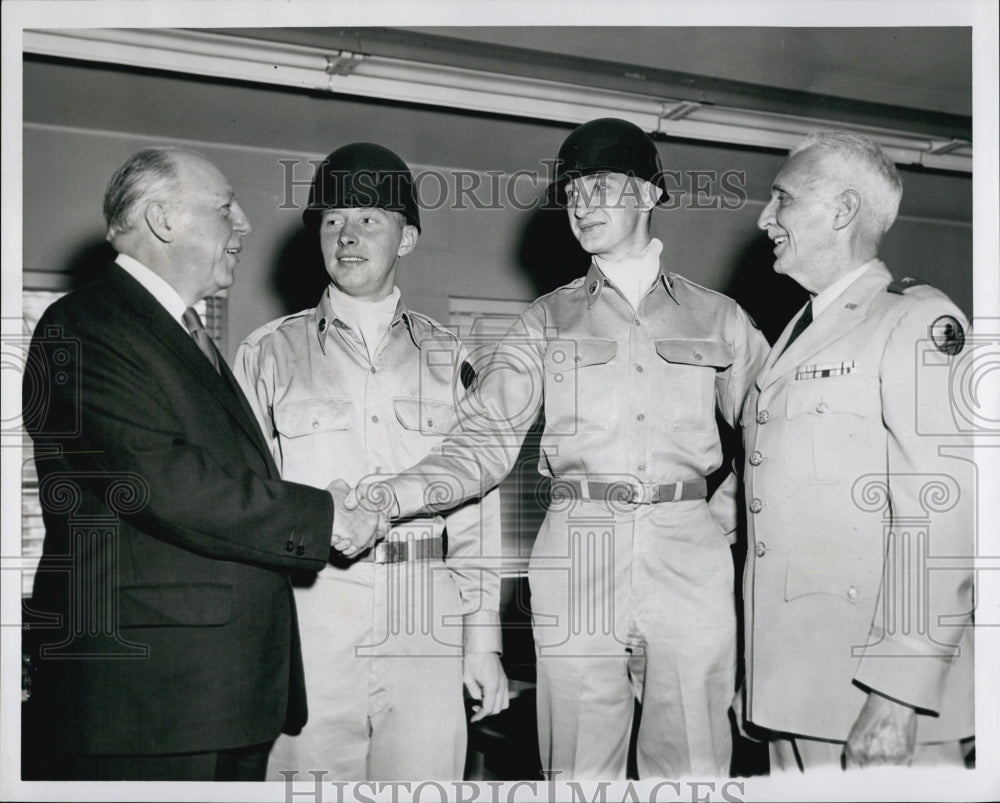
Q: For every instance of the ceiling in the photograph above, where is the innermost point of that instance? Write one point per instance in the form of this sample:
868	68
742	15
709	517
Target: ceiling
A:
920	68
917	79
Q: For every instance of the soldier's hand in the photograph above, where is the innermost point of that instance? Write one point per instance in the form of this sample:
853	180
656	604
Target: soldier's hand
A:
357	528
373	495
885	732
485	681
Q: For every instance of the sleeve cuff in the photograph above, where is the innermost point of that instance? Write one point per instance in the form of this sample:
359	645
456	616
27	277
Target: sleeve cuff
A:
481	632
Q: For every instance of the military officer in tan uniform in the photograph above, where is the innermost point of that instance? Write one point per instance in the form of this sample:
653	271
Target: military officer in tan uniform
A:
631	573
857	644
361	384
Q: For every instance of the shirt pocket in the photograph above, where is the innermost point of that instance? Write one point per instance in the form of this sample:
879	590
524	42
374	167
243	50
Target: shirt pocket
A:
580	386
422	423
689	370
424	416
313	416
829	432
311	434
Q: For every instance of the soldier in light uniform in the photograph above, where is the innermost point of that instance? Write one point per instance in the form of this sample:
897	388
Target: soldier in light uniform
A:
631	574
857	648
362	385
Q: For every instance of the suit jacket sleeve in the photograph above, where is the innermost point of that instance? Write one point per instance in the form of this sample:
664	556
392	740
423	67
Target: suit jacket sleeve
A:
921	611
135	409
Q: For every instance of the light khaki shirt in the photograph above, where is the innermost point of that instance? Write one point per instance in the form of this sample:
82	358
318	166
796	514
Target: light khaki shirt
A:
329	412
627	395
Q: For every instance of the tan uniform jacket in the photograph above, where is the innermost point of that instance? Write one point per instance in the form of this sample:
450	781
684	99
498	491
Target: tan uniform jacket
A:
860	493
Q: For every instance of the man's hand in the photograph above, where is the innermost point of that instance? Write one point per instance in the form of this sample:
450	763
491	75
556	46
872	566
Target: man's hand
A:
885	732
485	681
377	494
356	528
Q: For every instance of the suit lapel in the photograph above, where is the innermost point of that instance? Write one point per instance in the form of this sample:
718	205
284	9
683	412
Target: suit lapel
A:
180	347
836	321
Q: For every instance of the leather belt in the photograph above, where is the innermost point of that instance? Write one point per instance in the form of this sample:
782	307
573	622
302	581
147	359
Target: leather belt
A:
634	493
403	551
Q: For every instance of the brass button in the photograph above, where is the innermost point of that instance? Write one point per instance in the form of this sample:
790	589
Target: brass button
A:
300	551
756	506
756	458
822	407
759	549
763	417
289	546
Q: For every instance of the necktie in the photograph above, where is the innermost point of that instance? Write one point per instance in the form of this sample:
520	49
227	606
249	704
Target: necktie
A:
800	325
192	320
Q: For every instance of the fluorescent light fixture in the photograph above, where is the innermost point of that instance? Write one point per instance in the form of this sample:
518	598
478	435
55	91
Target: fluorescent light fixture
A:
339	71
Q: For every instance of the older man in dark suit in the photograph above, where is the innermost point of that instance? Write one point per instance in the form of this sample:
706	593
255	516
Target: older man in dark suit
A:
167	644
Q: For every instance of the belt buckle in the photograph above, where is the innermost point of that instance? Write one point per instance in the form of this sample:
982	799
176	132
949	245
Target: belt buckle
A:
390	551
643	493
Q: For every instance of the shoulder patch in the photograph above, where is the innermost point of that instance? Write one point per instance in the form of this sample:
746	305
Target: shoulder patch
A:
948	335
900	286
468	375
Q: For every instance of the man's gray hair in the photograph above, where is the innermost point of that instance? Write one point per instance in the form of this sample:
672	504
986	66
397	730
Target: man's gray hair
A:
867	170
147	175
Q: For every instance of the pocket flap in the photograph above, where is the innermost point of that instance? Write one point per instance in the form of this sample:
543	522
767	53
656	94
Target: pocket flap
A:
834	394
714	353
567	355
293	419
175	604
831	572
421	415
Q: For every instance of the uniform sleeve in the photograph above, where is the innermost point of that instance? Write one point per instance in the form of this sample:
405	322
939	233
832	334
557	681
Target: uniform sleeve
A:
492	422
258	387
474	553
921	612
750	350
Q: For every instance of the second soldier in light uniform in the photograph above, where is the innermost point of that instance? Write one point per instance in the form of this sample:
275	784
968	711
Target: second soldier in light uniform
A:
362	385
631	573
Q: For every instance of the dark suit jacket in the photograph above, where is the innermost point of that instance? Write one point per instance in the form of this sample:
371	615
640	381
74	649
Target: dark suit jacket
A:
169	538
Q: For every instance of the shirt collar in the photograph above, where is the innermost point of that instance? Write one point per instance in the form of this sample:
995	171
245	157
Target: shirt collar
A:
595	280
325	317
826	297
155	285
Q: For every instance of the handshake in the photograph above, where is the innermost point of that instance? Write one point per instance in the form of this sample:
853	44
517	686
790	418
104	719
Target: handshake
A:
361	516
